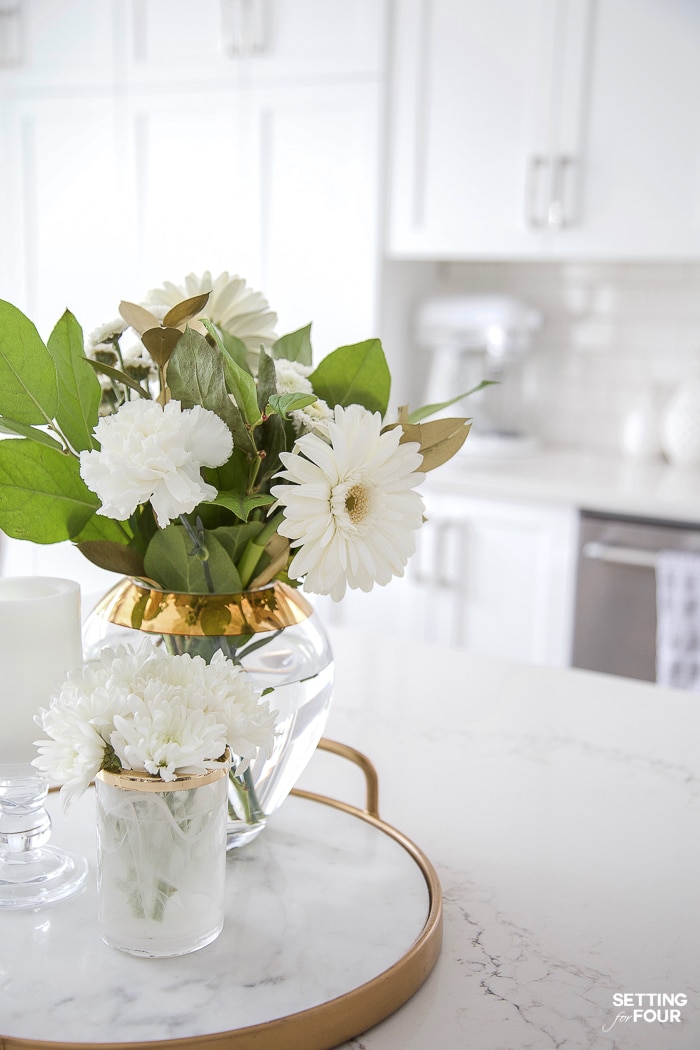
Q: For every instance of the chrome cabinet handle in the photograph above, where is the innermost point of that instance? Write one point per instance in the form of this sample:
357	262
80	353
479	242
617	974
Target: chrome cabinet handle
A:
536	167
10	34
243	27
557	217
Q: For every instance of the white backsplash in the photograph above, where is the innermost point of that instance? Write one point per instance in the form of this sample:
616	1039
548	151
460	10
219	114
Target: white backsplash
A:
610	331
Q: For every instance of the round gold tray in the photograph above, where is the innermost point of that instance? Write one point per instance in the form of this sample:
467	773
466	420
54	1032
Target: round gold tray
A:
64	927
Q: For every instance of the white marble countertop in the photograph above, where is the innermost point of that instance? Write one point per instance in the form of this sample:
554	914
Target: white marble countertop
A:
560	809
578	479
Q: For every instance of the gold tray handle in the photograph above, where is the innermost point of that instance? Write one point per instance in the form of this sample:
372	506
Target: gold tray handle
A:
356	757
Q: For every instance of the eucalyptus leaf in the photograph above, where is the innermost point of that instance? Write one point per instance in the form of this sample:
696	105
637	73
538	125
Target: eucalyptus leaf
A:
79	391
439	440
137	317
11	426
115	557
267	379
28	383
196	377
186	310
119	377
239	382
354	374
42	496
295	346
241	505
429	410
160	343
282	404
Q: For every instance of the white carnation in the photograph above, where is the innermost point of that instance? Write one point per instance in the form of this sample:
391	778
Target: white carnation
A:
152	453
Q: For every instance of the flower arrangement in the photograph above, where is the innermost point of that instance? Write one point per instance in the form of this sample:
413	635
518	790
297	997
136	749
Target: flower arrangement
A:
193	448
145	709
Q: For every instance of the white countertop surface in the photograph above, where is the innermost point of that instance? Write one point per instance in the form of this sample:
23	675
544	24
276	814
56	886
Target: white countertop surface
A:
584	480
560	810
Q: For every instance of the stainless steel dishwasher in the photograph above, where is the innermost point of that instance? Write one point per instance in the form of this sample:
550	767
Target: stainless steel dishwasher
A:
615	612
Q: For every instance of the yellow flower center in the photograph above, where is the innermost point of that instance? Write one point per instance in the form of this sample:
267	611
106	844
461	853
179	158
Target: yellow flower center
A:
357	503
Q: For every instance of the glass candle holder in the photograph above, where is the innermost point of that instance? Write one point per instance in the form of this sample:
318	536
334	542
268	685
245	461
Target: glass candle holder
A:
31	872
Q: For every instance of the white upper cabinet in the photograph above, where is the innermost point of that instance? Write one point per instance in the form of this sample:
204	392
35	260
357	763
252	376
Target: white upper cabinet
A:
207	41
545	128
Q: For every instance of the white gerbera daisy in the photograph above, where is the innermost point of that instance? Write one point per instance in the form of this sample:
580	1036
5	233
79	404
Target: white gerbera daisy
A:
232	306
350	507
152	453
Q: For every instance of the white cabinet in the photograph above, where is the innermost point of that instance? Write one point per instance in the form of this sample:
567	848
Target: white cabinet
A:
180	42
545	128
492	577
140	147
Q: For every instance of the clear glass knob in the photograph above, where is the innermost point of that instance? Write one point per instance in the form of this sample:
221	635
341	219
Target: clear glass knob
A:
31	873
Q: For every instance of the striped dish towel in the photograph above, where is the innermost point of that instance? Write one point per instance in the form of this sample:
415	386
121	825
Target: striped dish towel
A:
678	619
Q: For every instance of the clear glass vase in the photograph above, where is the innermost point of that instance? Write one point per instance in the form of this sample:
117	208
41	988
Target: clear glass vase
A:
275	635
161	861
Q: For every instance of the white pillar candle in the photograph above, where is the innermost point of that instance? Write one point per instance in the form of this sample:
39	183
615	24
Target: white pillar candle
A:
40	642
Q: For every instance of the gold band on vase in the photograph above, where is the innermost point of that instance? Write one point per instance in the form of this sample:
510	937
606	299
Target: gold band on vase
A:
133	603
140	780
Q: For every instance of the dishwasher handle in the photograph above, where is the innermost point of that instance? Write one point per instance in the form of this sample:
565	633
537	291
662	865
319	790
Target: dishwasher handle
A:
636	557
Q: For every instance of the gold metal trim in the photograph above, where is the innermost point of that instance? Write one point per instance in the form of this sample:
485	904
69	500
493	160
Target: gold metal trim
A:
334	1022
133	603
138	780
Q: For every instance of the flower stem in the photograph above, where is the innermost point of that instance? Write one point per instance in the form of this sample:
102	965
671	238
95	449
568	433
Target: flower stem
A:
199	548
255	549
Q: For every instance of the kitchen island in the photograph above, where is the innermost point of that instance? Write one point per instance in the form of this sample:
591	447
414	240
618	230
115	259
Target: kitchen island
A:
560	811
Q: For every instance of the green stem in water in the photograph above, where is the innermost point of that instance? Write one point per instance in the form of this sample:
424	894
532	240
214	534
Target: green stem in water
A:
245	789
255	549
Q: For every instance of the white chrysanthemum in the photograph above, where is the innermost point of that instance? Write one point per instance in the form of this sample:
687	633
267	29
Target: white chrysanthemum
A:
161	714
152	453
105	333
232	306
164	735
313	419
350	507
292	378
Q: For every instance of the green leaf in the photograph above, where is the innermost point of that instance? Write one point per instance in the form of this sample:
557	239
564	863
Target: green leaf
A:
242	505
296	346
11	426
429	410
239	382
285	403
42	496
171	564
78	388
119	377
196	377
235	348
354	374
28	384
267	379
186	310
114	557
104	529
235	538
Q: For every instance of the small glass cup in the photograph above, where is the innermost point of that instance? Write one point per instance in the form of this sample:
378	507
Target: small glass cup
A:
161	860
31	873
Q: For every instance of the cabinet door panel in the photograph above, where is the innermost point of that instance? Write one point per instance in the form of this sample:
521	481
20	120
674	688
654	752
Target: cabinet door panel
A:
640	165
72	232
470	117
313	178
